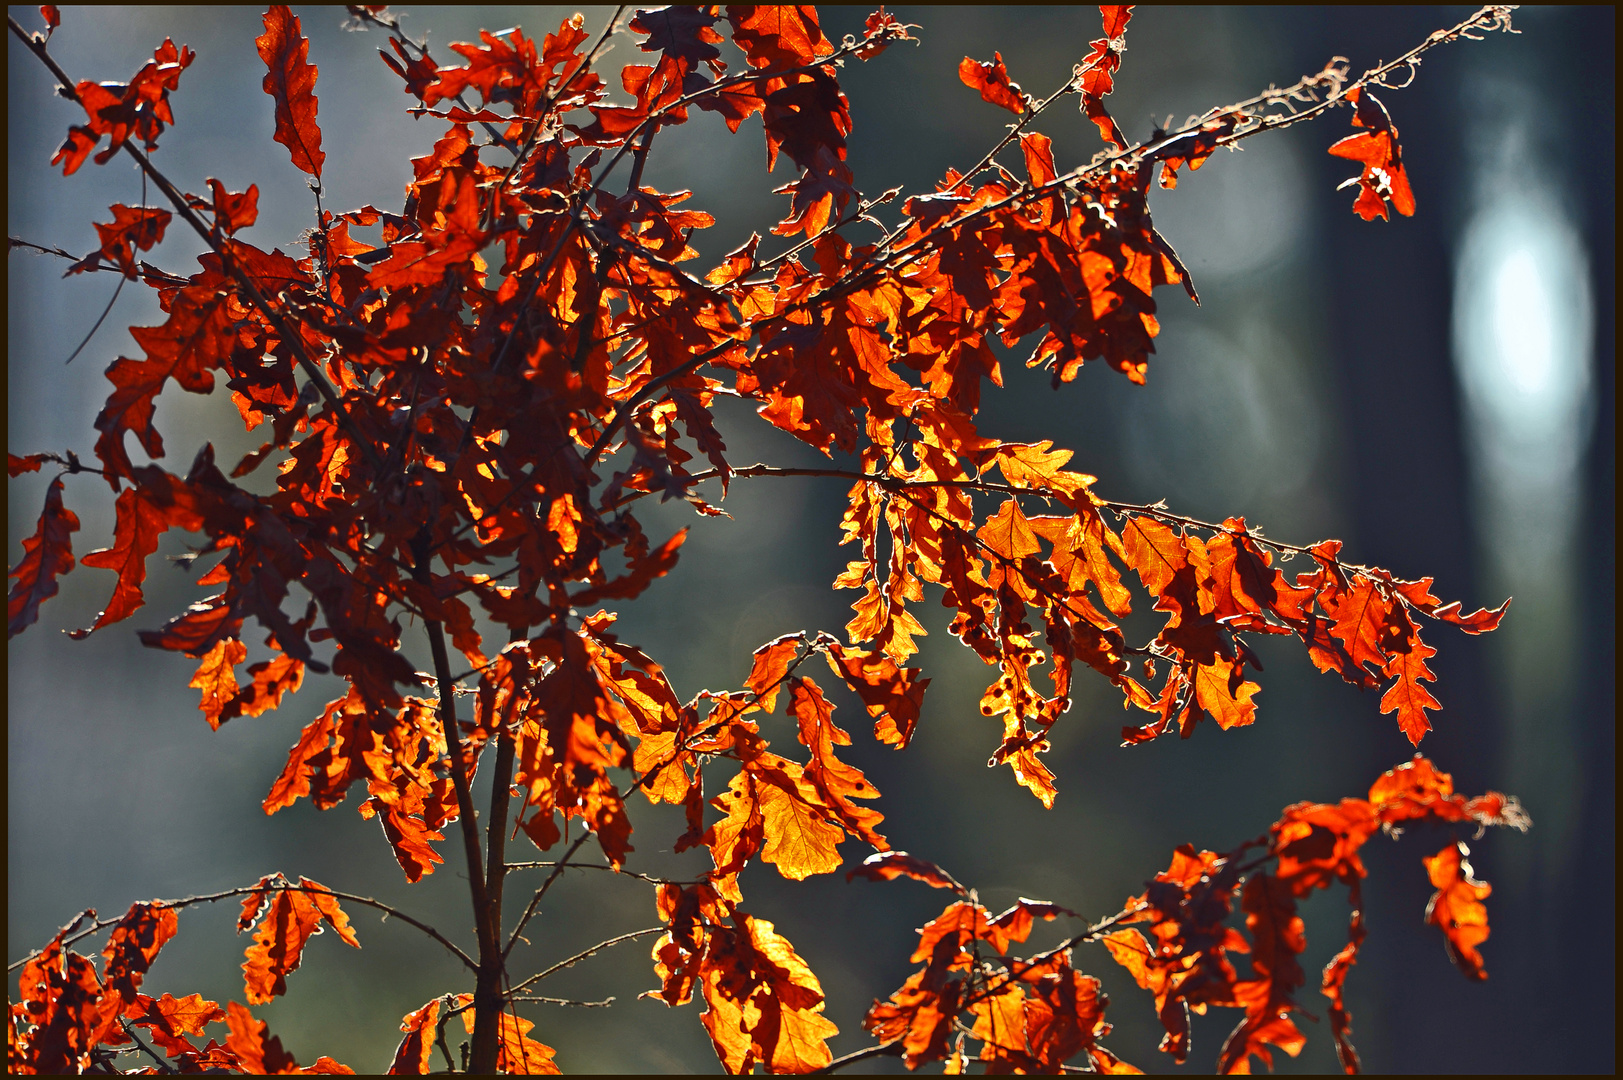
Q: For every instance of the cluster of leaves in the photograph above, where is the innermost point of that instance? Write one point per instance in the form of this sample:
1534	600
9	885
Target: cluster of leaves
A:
1032	1015
468	447
67	1019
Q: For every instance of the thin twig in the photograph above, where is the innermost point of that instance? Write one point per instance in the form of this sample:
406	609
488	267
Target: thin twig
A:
602	866
106	311
122	278
147	272
566	1001
391	23
890	1049
446	1012
578	957
535	901
129	1029
1485	19
70	936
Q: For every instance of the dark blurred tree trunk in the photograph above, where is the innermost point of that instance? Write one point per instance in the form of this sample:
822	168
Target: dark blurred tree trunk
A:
1390	288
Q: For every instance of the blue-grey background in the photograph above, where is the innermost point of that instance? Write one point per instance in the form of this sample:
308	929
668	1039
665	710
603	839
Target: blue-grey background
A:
1434	391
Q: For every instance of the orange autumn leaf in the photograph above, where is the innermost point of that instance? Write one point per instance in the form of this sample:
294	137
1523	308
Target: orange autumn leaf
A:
834	781
770	665
775	36
1155	551
217	678
140	524
411	1057
258	1051
1383	180
256	1048
291	918
1268	999
1457	910
132	229
892	694
798	837
1009	534
764	1004
1224	695
991	78
168	1020
889	865
1116	18
134	944
519	1053
1407	697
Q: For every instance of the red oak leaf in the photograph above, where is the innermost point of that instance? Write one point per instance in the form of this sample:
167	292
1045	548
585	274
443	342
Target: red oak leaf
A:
1383	179
47	555
991	78
292	82
1457	910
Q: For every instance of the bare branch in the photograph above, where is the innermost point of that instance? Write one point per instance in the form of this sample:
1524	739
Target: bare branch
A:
566	1001
578	957
890	1049
70	935
602	866
147	272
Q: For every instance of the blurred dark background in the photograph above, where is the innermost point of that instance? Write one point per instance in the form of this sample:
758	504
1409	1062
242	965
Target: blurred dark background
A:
1434	391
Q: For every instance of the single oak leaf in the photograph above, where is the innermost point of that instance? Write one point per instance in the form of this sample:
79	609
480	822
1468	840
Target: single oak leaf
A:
893	695
890	865
47	555
1383	179
16	466
169	1019
411	1057
1457	910
1224	694
778	36
991	78
1407	697
835	782
291	81
234	210
1009	534
769	666
132	228
217	678
255	1047
139	524
797	835
293	917
133	945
